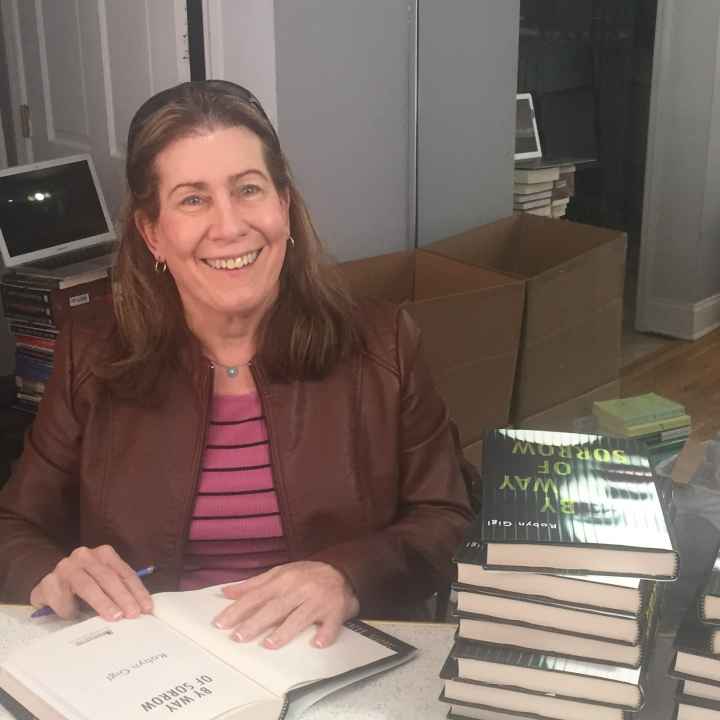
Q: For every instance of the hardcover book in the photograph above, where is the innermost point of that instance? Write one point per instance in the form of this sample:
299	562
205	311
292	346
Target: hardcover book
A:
695	708
709	607
573	503
538	672
697	648
461	712
542	614
637	431
553	642
468	694
603	592
700	689
51	307
636	410
176	660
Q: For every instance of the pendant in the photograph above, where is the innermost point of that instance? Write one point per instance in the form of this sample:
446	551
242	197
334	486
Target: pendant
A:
232	372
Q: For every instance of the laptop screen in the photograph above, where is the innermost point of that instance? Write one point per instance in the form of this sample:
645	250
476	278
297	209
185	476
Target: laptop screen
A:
51	207
527	138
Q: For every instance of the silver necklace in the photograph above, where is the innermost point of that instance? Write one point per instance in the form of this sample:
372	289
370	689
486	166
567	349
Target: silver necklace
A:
232	371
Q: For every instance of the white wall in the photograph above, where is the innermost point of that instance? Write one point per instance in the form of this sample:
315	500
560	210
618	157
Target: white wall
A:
467	81
679	288
240	46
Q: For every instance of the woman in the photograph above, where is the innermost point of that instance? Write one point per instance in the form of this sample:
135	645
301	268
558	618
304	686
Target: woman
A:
234	415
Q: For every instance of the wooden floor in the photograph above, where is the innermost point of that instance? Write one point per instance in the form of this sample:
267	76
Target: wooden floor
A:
688	372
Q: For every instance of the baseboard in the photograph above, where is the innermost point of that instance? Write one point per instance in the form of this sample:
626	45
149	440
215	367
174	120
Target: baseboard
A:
686	321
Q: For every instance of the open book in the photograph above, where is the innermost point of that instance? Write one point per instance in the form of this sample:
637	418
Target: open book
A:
176	662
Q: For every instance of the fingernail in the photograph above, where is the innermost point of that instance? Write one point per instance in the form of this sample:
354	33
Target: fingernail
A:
270	643
116	615
238	636
319	642
220	624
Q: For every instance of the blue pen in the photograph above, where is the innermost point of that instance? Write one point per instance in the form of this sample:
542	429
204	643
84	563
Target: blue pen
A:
44	611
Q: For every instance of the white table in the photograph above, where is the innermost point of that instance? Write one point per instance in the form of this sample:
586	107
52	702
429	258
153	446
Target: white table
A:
408	692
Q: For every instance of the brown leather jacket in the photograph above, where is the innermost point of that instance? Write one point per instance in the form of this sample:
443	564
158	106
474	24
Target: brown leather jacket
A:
364	463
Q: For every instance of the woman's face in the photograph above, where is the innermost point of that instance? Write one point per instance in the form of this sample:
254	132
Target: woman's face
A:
222	227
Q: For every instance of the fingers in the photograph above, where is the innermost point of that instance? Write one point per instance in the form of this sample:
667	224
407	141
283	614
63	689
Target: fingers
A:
53	593
100	578
287	600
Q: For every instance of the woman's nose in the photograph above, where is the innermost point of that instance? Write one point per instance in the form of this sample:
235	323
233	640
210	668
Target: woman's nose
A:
229	221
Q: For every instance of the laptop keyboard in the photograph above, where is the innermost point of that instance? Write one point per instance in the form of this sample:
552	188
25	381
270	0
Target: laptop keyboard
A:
74	256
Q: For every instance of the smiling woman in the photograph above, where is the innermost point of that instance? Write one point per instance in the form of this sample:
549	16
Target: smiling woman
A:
235	415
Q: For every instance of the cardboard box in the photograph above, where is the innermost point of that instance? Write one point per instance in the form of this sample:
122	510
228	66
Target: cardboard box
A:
470	318
573	302
571	415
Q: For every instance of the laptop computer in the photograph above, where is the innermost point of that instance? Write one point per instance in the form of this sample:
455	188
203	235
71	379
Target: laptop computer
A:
53	219
528	148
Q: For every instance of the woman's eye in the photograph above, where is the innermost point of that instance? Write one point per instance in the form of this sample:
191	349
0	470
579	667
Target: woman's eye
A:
248	190
192	200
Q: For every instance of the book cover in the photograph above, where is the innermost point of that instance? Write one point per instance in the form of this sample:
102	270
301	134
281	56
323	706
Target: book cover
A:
533	612
601	592
637	410
691	706
49	307
636	431
696	648
539	672
175	660
471	694
699	689
574	503
553	642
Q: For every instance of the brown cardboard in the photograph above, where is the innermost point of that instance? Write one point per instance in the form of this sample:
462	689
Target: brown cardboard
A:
563	417
470	318
573	304
473	453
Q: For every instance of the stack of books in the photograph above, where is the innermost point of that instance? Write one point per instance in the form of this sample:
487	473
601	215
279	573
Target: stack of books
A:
697	652
543	191
35	308
558	580
660	424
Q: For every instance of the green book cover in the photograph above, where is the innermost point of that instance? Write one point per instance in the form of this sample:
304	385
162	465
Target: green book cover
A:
637	410
573	503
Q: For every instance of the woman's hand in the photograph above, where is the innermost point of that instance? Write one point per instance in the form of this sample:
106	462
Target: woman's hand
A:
290	598
99	577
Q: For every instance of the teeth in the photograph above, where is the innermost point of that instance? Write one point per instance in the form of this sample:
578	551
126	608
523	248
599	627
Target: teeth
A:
232	263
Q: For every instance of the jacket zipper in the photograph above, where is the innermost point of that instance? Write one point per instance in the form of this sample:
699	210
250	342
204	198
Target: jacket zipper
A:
277	477
182	543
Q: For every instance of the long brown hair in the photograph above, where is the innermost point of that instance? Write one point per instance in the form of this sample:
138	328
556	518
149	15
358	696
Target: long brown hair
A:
310	327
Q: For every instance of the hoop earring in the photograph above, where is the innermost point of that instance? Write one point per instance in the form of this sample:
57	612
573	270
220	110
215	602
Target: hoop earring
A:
292	241
160	267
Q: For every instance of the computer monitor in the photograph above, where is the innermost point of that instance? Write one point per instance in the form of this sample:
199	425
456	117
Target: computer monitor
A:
527	138
51	207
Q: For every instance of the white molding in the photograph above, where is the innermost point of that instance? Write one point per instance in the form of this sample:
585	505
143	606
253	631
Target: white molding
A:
16	76
686	321
213	31
645	316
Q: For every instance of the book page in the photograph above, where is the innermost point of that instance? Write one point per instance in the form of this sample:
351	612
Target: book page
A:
279	670
138	668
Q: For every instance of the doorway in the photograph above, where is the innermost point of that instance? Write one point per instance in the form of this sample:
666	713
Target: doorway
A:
588	64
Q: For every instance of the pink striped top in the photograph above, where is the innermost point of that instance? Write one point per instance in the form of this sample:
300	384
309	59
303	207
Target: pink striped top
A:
236	530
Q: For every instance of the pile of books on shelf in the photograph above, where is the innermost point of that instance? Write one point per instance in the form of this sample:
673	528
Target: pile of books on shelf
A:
35	308
546	625
696	660
660	424
543	191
